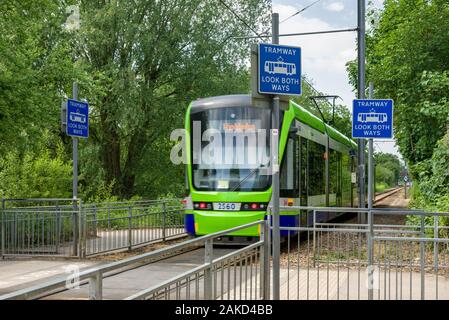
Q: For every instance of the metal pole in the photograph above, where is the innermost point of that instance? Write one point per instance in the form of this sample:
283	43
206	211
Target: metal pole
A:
265	261
130	227
75	180
370	252
164	221
374	181
83	230
75	150
96	287
371	165
326	168
435	244
3	239
370	207
405	189
361	95
275	177
370	159
422	261
208	258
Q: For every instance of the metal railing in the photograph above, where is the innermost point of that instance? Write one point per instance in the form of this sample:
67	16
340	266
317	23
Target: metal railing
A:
241	274
113	226
216	278
389	257
396	254
40	227
64	227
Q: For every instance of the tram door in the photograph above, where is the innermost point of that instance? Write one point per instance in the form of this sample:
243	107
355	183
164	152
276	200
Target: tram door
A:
303	176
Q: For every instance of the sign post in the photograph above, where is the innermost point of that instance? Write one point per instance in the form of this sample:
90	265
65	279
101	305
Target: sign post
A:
371	189
371	118
75	171
361	46
75	120
405	186
77	127
279	73
275	175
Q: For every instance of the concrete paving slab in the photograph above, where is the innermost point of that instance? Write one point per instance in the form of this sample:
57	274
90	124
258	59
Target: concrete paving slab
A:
18	274
124	284
344	284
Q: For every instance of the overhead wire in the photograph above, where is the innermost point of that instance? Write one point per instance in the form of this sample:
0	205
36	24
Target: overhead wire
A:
294	14
299	11
260	36
240	18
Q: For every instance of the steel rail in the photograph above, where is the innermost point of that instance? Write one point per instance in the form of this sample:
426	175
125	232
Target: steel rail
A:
386	194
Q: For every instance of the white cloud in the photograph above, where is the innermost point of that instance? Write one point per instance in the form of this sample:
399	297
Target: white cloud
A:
335	6
324	56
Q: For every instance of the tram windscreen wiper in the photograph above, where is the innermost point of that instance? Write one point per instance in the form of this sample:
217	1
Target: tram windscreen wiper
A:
245	178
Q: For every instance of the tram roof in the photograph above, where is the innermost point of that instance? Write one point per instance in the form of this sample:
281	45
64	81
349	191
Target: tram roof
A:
233	100
313	121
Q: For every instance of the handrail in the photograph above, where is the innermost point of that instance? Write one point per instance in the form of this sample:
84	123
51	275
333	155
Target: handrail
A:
94	273
319	209
146	292
84	205
397	211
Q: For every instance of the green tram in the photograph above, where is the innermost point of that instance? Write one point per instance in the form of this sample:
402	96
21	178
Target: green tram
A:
316	162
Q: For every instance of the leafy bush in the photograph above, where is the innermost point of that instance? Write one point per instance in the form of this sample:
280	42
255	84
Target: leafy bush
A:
381	187
30	175
433	176
430	190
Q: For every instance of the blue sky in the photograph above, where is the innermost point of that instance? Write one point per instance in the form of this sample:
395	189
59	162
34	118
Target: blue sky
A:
324	56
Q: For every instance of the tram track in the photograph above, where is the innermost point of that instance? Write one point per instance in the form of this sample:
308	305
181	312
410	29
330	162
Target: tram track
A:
387	193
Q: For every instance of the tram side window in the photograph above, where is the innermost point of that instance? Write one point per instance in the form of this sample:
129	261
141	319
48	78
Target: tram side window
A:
317	177
288	179
303	173
334	178
346	180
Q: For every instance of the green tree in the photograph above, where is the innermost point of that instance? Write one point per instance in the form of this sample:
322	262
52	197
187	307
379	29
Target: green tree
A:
31	175
139	64
408	61
35	68
146	60
388	168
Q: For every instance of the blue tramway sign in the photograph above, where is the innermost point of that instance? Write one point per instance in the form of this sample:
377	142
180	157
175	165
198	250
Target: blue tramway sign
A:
279	69
77	118
372	118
